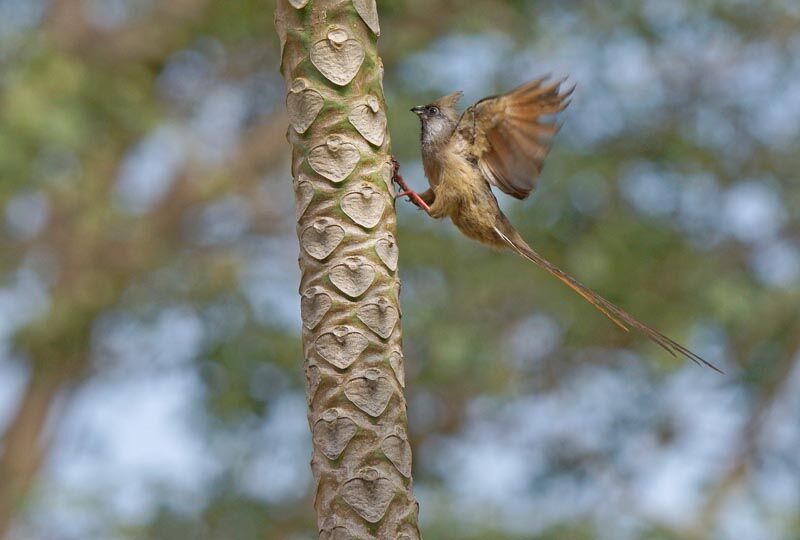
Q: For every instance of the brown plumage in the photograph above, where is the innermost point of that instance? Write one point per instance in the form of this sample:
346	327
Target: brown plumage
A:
502	141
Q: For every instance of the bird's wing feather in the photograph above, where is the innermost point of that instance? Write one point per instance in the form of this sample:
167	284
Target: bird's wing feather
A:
507	136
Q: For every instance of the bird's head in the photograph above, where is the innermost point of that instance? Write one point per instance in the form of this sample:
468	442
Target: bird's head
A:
438	118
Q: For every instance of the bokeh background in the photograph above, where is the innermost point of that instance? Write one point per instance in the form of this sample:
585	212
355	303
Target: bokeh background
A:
149	319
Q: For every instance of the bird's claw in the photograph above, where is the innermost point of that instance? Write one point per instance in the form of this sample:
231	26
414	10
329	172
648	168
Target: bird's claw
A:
412	195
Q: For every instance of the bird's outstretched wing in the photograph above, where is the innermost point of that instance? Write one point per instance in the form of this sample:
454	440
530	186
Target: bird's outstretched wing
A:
507	136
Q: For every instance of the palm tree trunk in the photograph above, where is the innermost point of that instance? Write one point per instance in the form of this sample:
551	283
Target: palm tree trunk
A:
348	257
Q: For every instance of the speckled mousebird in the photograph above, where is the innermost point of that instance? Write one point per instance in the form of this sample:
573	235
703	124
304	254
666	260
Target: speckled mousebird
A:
502	141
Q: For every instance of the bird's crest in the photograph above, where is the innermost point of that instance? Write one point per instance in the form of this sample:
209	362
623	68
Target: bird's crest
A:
449	102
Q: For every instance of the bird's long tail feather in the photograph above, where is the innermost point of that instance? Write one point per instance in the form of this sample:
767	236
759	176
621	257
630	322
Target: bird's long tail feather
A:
617	315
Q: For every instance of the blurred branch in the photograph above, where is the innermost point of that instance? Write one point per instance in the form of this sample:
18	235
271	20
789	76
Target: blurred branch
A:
24	446
140	40
748	446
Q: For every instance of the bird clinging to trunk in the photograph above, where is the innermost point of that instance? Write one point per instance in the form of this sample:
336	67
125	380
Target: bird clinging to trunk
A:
501	141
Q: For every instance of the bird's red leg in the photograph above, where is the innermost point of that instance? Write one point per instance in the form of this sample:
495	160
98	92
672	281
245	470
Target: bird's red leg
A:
407	191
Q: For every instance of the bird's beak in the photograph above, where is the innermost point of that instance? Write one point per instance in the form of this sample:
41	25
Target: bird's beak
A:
418	109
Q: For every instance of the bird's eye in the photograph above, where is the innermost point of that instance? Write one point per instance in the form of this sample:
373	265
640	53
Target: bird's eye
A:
433	110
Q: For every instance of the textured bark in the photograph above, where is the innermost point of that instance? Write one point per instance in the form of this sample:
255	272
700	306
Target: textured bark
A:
348	257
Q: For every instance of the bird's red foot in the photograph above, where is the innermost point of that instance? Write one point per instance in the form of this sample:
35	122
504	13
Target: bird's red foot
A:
407	191
416	199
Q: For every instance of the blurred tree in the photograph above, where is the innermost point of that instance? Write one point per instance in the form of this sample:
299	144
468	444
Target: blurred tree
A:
93	249
348	258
